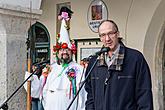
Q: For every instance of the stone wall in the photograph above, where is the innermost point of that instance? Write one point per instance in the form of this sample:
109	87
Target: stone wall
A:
14	25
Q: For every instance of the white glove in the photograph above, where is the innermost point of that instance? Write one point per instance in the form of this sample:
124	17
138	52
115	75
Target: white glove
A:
27	74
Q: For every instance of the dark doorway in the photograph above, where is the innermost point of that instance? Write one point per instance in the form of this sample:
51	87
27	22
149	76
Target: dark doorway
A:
41	42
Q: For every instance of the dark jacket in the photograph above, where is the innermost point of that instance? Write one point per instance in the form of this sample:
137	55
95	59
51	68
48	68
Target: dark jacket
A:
125	85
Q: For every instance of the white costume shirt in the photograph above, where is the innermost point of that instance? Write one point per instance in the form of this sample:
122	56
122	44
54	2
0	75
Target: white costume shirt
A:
36	85
57	88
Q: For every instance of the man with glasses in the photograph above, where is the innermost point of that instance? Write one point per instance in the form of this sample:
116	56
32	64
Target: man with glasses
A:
121	79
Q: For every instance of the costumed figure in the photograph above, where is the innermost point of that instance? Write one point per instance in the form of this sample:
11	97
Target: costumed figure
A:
66	75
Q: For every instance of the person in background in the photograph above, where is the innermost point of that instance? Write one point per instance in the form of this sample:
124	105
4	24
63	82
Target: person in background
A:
84	62
36	86
45	71
121	79
66	75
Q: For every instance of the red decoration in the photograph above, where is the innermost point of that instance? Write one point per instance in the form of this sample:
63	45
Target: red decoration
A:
56	47
59	46
73	47
71	74
64	46
58	35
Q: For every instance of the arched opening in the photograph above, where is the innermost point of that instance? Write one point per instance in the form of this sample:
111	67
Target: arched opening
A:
160	68
154	46
40	42
163	69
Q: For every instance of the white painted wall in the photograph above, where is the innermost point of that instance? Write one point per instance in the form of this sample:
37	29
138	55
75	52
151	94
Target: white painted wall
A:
132	16
35	4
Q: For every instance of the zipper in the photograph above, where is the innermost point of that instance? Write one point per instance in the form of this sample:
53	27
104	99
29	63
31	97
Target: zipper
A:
119	77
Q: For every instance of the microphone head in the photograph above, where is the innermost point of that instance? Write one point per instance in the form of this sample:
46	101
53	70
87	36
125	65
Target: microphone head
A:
43	62
103	50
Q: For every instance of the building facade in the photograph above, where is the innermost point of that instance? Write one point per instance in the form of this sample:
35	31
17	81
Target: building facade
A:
141	24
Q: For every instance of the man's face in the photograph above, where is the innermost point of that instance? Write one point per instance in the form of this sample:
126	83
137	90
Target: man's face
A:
108	35
65	55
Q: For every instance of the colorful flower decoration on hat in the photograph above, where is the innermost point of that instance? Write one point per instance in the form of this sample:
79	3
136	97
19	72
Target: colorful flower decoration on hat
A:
64	45
65	13
73	47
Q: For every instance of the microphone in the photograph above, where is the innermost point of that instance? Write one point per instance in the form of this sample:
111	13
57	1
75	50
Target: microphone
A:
103	50
43	62
98	53
40	66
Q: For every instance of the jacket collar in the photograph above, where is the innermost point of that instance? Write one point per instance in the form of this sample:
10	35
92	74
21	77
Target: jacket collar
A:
118	61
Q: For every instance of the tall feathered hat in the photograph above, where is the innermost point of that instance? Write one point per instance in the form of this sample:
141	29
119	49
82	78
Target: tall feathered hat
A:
63	39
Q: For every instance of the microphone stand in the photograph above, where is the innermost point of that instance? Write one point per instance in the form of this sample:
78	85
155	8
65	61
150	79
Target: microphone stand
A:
4	106
83	82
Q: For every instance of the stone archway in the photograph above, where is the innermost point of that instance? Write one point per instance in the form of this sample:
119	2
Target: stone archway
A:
154	45
14	25
160	70
163	72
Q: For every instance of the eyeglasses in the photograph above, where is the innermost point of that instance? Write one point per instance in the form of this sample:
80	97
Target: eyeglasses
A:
103	35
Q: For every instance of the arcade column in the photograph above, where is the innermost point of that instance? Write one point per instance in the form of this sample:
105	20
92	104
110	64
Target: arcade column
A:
14	25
